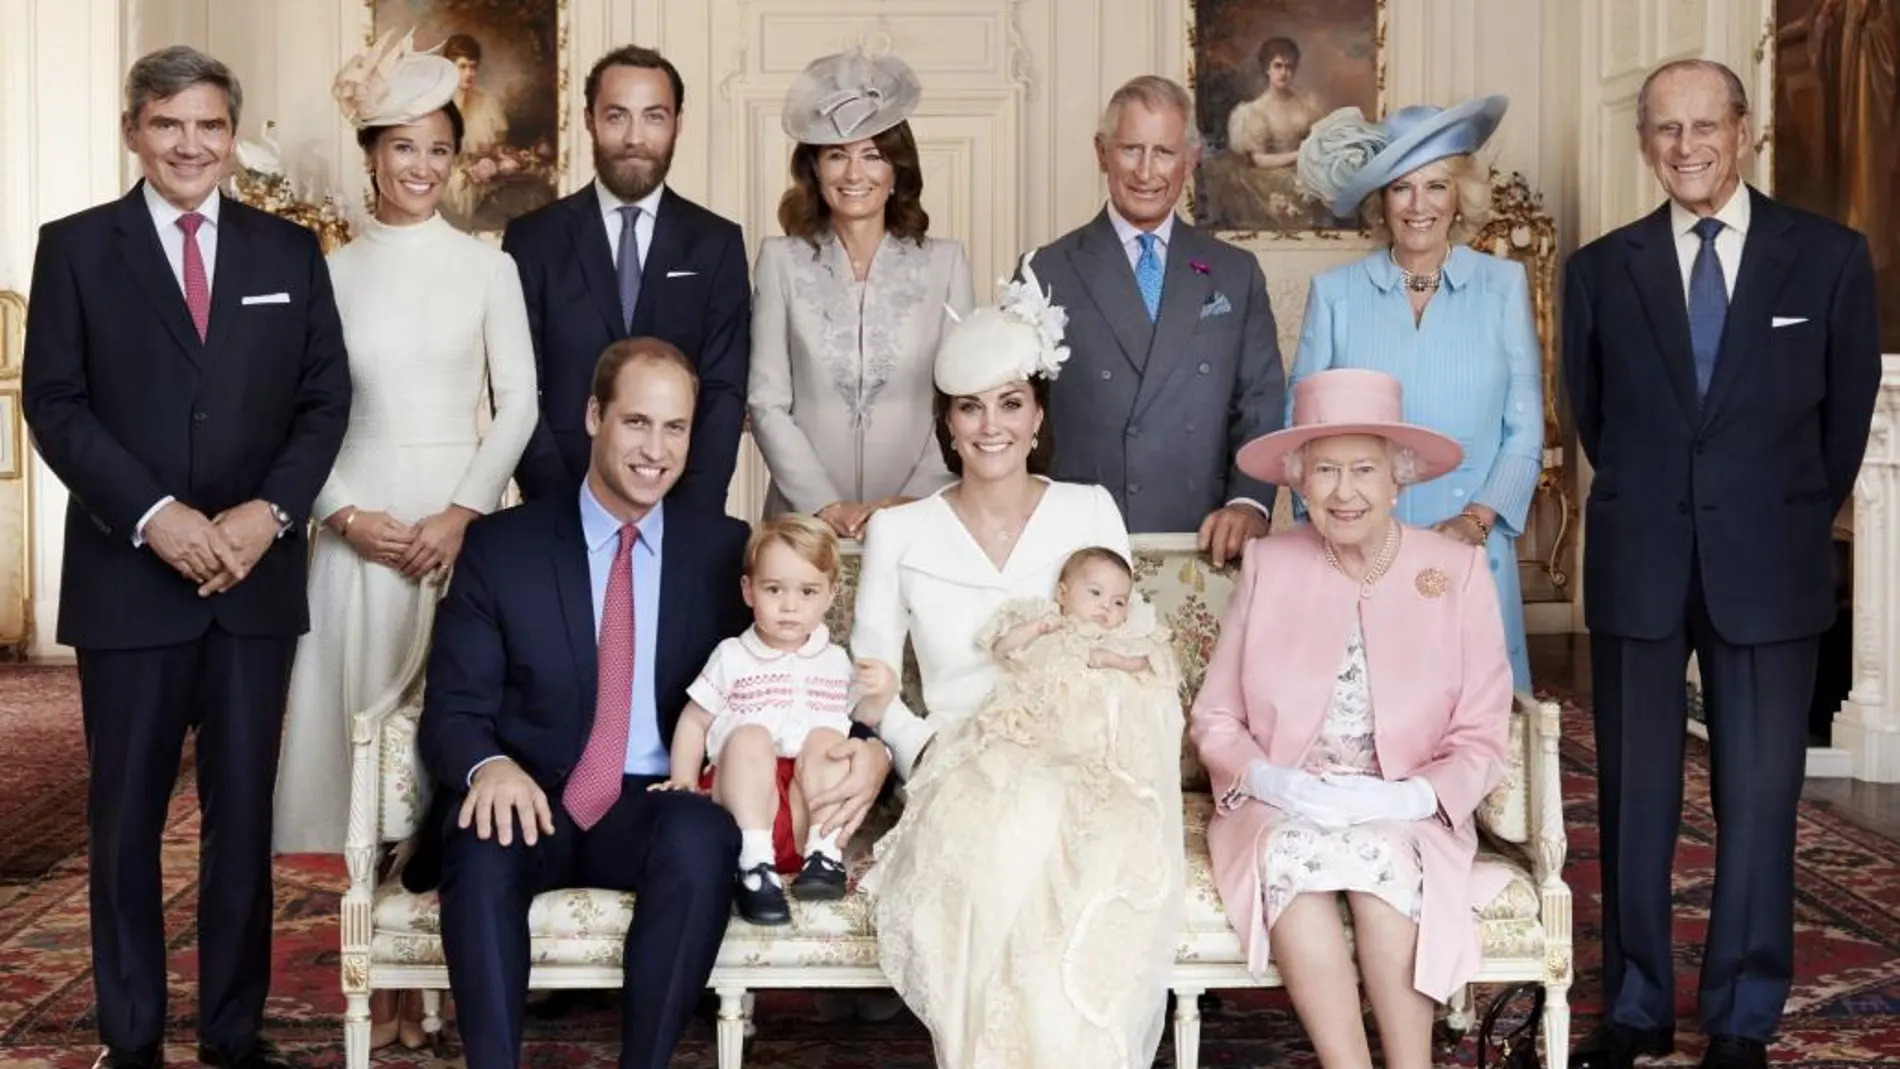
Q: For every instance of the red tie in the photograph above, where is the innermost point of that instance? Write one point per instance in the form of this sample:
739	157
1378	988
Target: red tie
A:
595	785
197	290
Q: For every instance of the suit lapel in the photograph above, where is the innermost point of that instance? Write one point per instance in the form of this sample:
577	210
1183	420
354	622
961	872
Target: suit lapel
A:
681	584
1183	290
145	258
237	249
1657	273
1766	257
596	256
664	252
576	591
1102	265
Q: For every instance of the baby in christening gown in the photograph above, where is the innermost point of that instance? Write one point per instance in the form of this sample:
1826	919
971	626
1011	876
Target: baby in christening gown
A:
1029	917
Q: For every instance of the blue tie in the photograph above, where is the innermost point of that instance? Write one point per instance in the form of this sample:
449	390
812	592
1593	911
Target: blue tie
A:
627	265
1148	276
1708	305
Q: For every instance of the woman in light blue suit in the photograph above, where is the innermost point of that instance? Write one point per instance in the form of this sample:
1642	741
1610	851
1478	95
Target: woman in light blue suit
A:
1451	323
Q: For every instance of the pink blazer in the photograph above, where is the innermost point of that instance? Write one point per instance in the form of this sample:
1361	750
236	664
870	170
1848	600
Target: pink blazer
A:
1440	678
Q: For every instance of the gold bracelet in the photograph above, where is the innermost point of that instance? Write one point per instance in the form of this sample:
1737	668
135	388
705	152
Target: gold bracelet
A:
1484	529
347	520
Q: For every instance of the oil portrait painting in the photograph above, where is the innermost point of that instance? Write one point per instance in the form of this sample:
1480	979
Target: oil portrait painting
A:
1836	110
1264	72
510	100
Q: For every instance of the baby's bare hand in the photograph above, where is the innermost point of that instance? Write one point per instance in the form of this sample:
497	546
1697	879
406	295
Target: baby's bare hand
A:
675	785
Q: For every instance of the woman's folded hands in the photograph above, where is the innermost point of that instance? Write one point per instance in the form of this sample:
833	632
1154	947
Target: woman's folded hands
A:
1339	801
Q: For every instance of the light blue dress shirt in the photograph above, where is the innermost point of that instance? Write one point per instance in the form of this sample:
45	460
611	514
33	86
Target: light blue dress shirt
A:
646	750
1471	368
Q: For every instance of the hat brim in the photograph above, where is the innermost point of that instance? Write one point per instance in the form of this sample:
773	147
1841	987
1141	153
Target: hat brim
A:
1264	458
1401	157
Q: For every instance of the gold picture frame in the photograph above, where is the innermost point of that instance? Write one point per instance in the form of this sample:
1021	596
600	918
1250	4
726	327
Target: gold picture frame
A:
516	123
1226	40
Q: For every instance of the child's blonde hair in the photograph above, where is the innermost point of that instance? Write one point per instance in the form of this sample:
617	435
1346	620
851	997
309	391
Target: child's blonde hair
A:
1090	555
810	538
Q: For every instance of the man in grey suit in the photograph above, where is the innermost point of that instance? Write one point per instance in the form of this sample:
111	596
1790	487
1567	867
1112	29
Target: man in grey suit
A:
1173	363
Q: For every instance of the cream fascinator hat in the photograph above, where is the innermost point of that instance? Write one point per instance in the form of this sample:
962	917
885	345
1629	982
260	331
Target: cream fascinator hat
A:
849	97
391	84
1021	338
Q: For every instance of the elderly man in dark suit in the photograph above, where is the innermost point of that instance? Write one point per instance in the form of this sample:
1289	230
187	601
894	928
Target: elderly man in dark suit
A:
1174	362
1722	363
628	257
185	378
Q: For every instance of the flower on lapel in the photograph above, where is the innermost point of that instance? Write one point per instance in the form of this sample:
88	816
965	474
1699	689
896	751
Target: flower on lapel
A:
1198	267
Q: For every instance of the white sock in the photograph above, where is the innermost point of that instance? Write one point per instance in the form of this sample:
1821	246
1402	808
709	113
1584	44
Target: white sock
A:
755	848
824	844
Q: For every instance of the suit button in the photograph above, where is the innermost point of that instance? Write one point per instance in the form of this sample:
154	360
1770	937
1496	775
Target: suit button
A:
199	417
1205	368
1134	432
1107	374
1134	488
1189	428
1682	507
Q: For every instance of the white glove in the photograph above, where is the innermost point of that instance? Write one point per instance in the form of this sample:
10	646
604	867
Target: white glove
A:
1292	789
1363	799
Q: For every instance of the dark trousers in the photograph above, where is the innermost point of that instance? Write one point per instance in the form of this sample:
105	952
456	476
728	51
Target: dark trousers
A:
677	852
1756	701
137	706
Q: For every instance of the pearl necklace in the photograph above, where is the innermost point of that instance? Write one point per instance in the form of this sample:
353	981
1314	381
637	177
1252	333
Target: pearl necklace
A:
1420	283
1379	564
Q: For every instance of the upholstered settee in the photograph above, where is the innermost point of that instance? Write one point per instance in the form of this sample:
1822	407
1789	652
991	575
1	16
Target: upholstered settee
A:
391	937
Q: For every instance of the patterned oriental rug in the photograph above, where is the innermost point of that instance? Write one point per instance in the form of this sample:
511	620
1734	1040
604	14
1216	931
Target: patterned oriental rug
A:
1845	1009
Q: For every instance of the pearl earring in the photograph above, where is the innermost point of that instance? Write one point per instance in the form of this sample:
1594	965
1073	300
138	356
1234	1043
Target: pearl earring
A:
1034	443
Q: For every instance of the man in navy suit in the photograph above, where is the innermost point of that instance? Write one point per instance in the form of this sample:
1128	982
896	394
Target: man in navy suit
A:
558	671
1722	361
628	257
185	378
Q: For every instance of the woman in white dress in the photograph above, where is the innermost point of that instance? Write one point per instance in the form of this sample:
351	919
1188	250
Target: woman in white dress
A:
981	965
437	330
849	305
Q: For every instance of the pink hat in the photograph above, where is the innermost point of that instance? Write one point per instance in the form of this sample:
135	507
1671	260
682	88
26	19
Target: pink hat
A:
1348	401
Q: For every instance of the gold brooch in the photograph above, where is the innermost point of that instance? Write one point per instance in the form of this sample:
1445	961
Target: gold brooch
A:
1431	583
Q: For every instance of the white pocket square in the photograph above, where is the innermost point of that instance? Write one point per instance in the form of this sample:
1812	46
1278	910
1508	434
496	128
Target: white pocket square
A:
681	274
1217	305
1787	321
268	298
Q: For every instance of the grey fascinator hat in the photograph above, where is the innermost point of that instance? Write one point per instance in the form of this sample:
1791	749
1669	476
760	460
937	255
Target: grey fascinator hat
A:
848	97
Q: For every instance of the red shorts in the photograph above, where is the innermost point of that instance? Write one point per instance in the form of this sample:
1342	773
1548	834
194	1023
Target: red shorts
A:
790	858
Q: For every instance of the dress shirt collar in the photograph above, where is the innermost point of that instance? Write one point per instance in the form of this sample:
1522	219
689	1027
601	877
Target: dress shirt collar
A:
166	214
1734	214
1126	232
1460	262
599	528
610	205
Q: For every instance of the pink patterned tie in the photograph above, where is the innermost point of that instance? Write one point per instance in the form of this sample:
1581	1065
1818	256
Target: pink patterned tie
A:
595	785
197	289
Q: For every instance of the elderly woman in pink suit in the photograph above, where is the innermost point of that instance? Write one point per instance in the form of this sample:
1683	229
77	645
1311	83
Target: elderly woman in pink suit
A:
1354	715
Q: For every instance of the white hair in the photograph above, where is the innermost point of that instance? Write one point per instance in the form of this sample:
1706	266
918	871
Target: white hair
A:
1403	459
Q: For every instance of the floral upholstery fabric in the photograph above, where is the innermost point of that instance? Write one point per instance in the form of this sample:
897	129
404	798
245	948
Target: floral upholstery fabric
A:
586	927
404	797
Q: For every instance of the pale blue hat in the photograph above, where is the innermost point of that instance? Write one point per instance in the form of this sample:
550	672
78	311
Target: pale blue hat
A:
1410	138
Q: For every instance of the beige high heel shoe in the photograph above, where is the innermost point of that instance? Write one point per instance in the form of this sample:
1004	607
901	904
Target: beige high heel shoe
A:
409	1021
383	1023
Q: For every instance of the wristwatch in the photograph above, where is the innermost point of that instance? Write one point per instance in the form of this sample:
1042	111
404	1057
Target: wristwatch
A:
283	518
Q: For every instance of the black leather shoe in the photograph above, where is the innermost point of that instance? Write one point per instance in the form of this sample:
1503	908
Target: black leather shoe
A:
767	904
1614	1046
255	1055
129	1058
821	880
1735	1052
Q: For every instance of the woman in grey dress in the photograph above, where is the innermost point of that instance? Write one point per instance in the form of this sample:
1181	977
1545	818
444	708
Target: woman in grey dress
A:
850	303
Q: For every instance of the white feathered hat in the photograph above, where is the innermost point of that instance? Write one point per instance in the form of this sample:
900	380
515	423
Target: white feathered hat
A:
1019	339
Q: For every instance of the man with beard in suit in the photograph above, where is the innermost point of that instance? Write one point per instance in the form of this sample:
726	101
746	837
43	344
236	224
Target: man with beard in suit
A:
628	257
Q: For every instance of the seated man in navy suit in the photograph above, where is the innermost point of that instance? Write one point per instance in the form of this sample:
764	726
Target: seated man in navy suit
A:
559	668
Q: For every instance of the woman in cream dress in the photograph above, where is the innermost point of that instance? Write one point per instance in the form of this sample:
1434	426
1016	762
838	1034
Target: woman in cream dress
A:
437	330
984	957
850	303
1252	183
